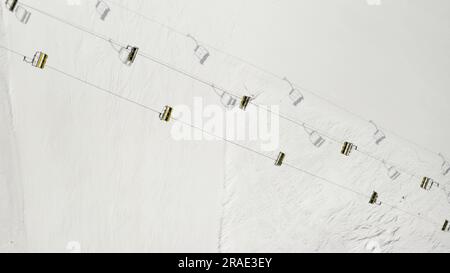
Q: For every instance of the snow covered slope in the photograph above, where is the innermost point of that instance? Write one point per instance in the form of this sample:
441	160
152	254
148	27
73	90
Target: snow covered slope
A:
11	196
100	174
269	208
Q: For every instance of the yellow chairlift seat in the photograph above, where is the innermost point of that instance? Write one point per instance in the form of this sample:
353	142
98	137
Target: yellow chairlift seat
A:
244	102
280	159
166	114
11	4
347	148
23	15
428	183
39	60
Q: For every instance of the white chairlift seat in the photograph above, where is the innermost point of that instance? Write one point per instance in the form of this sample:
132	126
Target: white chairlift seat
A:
314	137
23	15
200	52
445	165
379	136
102	9
39	60
446	169
228	101
128	54
393	173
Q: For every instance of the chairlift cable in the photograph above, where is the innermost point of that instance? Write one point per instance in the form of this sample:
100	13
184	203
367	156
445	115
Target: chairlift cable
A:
178	70
153	110
205	82
266	71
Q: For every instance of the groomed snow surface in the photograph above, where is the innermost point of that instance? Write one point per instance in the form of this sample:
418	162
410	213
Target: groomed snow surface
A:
83	171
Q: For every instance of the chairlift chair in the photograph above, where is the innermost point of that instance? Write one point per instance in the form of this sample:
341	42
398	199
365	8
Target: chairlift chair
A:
166	114
446	169
393	173
102	9
244	102
374	199
22	15
314	137
227	100
200	51
39	60
347	148
295	95
446	226
128	54
445	165
11	4
280	159
379	136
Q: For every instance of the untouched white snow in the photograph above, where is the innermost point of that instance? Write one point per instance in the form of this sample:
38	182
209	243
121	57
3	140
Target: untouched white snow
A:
100	174
98	171
11	196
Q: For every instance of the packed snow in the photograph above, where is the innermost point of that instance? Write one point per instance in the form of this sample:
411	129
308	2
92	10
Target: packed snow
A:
83	171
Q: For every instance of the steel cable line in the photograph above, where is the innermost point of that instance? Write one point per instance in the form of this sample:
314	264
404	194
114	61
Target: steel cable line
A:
212	85
178	70
381	160
265	71
299	123
241	146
